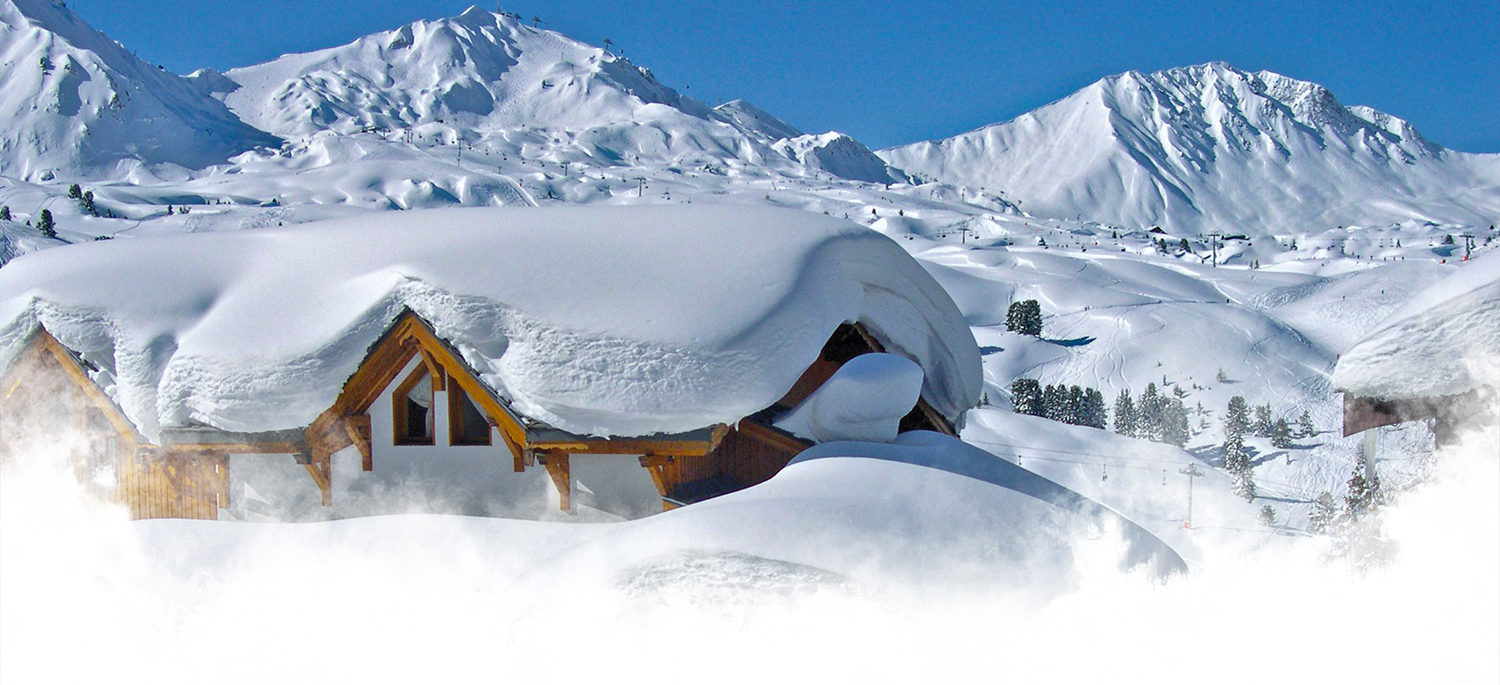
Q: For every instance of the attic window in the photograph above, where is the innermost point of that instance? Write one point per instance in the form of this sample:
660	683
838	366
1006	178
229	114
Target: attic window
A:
467	425
413	409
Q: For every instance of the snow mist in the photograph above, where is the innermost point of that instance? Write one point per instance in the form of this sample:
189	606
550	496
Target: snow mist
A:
85	593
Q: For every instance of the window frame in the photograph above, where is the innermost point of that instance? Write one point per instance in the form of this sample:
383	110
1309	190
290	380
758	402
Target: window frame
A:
400	418
457	399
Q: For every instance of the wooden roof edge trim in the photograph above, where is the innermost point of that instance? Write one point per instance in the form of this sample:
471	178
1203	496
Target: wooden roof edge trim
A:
74	367
772	435
686	448
506	419
362	387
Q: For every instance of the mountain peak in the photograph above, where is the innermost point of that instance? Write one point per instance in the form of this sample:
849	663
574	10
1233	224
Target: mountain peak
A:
1209	146
479	70
77	101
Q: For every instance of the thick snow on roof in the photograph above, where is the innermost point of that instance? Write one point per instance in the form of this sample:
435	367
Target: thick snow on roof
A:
603	321
1445	341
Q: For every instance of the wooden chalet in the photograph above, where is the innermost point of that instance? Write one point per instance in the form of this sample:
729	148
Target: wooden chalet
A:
412	389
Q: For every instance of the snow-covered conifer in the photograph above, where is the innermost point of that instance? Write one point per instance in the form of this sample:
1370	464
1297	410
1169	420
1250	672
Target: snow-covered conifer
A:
1325	510
45	225
1305	425
1125	419
1267	516
1026	396
1263	424
1281	434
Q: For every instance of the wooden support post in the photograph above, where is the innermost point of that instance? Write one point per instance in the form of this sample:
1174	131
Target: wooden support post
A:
320	467
663	468
557	467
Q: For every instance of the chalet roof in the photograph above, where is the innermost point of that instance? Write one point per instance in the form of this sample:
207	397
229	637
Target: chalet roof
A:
1445	341
611	321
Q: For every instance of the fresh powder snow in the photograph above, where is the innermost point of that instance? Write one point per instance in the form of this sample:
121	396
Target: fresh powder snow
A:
602	321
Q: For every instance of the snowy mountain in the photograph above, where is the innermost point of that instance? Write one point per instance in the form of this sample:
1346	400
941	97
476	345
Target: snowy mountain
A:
74	101
756	121
1212	147
840	155
480	69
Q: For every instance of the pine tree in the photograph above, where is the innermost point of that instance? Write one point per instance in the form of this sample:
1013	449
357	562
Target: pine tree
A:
1175	429
1076	408
1267	516
1325	511
74	192
1096	416
1363	495
1029	318
1148	414
1026	395
1186	247
1222	377
87	202
1236	459
1014	316
45	225
1055	403
1125	419
1305	425
1281	434
1263	424
5	213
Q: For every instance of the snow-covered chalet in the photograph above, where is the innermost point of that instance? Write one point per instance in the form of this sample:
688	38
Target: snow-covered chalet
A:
614	361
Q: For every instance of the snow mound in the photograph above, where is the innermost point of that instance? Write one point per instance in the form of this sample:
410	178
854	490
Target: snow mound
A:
1444	341
864	400
18	239
74	101
1211	147
1048	504
601	321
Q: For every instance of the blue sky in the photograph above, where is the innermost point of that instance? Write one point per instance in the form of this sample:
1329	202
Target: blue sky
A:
892	73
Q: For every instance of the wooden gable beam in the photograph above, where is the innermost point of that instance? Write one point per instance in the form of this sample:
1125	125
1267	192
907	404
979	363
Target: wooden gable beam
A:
43	344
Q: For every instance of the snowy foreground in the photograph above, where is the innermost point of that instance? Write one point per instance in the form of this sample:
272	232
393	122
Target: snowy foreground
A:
847	569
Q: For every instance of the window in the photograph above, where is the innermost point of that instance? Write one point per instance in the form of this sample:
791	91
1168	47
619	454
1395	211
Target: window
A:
467	425
413	409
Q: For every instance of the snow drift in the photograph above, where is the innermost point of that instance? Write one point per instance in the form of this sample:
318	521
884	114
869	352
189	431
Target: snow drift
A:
602	321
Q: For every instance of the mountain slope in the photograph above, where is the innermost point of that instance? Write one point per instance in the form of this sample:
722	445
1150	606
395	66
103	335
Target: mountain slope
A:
1212	147
74	101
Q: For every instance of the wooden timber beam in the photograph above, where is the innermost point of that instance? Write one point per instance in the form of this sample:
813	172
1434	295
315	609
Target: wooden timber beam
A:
683	448
435	370
320	468
557	468
241	447
658	466
359	430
